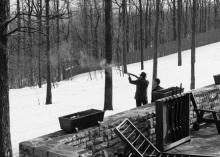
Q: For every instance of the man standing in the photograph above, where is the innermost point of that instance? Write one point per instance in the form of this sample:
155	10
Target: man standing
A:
141	89
156	87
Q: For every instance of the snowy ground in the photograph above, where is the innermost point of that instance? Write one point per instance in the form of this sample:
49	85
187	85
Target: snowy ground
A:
30	117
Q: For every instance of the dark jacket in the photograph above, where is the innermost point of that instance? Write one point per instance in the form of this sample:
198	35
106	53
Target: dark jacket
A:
141	88
154	93
157	88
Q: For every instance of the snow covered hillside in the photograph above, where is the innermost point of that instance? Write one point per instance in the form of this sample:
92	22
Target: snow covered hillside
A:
30	117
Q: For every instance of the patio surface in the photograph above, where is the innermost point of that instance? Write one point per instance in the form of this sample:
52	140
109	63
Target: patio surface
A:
206	141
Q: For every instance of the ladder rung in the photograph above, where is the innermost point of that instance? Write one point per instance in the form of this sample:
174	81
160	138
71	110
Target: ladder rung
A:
141	144
130	134
146	149
125	129
136	139
123	125
152	153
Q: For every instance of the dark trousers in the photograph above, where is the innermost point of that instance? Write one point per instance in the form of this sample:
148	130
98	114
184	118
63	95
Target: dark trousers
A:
141	102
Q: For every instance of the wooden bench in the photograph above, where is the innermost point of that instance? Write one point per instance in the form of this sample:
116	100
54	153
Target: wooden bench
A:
206	105
166	92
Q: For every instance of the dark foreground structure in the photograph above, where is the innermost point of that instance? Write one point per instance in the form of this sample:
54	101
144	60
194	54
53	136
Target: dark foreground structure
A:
97	141
141	132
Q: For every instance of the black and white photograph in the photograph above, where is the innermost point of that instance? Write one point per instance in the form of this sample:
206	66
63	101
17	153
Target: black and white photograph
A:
109	78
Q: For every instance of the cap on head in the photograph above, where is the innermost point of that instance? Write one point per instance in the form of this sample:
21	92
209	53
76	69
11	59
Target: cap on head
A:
157	80
143	74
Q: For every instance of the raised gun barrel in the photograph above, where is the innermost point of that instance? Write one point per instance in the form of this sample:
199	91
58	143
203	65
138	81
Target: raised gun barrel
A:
129	74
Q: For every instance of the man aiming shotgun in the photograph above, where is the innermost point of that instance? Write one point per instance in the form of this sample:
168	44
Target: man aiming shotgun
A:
141	88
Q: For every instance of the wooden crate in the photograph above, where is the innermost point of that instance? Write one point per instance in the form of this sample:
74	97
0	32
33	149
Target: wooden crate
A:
81	120
172	121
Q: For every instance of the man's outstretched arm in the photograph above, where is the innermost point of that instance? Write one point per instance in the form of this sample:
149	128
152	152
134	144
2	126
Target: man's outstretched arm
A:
132	81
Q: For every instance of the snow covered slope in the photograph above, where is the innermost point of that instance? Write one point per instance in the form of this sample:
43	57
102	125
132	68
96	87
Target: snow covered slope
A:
30	117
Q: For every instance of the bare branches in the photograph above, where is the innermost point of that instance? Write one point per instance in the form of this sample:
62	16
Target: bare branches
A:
51	17
24	29
10	20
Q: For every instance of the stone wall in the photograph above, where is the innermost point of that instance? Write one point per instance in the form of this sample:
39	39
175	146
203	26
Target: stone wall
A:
95	141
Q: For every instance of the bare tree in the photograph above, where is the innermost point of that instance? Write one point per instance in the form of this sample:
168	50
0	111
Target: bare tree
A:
98	17
30	42
174	19
108	55
193	44
49	93
39	16
5	137
156	39
58	41
18	45
124	8
146	23
86	24
179	32
141	34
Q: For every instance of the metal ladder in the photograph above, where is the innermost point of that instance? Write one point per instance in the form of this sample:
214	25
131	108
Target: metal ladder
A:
140	145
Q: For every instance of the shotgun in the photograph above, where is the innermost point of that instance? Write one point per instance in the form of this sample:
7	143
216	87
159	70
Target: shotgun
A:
129	74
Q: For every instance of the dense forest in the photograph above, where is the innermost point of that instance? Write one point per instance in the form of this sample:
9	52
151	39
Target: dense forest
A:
77	32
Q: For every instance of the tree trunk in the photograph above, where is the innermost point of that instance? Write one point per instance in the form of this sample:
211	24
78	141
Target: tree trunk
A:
18	45
215	14
141	34
96	30
186	19
174	19
135	32
49	93
58	44
146	24
193	46
127	26
85	17
149	23
156	40
200	15
31	74
118	48
179	32
205	16
5	137
40	42
124	8
209	15
108	55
